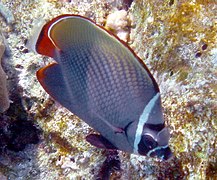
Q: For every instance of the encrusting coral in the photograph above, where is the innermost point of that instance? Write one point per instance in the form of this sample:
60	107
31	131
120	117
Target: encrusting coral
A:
118	22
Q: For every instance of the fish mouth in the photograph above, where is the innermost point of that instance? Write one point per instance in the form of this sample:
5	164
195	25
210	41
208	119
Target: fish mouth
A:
163	153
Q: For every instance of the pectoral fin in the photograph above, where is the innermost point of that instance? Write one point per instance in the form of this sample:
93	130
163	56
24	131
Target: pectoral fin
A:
99	141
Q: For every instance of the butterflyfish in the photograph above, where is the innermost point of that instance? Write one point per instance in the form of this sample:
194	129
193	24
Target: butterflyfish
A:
100	79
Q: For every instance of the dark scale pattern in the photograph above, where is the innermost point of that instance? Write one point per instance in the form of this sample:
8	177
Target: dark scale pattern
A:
106	80
120	82
108	96
75	72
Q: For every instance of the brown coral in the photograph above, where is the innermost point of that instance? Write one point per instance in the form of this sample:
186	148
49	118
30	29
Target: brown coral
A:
4	100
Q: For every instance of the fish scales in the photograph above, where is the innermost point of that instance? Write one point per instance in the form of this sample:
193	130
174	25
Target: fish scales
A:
115	99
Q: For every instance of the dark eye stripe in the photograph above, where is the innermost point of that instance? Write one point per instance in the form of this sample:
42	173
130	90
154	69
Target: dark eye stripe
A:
155	127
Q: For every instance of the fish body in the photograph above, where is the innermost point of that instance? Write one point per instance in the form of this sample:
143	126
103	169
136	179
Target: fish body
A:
101	80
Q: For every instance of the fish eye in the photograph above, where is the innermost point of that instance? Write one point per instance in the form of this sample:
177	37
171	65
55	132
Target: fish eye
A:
149	141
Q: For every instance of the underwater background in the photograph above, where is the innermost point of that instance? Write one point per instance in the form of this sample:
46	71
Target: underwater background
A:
177	39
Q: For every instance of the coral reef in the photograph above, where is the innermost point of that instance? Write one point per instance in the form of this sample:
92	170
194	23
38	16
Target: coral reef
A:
176	39
119	23
179	39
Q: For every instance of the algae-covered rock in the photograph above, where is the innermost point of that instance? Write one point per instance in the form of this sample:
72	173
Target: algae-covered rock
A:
6	13
177	40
